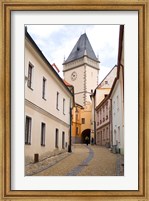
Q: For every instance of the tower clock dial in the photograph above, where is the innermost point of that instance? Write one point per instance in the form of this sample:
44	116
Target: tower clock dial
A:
73	76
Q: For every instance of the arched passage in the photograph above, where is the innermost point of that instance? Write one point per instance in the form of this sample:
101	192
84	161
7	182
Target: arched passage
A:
84	134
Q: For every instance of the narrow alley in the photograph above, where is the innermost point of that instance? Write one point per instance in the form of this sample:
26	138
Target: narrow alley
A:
84	160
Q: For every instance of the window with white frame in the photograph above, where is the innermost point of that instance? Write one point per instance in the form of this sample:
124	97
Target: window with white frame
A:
28	125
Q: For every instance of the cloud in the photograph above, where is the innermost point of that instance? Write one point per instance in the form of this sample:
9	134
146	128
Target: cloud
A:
57	41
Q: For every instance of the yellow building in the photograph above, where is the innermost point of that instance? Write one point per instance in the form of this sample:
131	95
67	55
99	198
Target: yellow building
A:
81	122
76	123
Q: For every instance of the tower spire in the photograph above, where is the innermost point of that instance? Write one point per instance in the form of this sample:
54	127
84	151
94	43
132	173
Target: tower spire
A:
83	45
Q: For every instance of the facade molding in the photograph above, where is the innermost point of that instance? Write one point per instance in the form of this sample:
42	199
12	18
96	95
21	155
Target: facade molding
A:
108	123
44	112
77	66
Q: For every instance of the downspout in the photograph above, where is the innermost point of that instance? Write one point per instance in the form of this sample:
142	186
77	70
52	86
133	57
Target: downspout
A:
94	123
111	133
70	130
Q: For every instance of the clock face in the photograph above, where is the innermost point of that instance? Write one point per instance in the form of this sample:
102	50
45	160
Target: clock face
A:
73	76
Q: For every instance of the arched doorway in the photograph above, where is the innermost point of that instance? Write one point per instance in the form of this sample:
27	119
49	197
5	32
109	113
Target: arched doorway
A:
84	134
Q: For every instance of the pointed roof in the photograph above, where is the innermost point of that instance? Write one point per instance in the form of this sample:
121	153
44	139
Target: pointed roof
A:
82	47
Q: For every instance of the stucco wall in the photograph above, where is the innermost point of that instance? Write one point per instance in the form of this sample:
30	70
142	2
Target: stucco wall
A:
44	110
117	117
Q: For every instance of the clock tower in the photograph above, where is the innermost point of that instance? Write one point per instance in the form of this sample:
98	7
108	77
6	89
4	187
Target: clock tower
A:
81	69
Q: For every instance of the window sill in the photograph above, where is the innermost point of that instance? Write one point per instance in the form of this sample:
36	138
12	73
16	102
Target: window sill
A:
43	145
27	143
30	88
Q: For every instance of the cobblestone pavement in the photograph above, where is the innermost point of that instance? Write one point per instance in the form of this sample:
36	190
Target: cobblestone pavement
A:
84	160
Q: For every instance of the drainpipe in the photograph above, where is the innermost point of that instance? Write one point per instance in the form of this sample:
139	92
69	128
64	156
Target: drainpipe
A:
70	130
111	127
92	96
94	123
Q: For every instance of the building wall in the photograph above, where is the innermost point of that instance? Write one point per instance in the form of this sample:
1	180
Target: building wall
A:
102	116
76	124
117	117
53	86
86	114
82	122
45	110
107	82
103	136
39	116
100	95
87	72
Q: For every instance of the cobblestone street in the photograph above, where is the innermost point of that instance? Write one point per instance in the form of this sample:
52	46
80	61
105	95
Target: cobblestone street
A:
84	160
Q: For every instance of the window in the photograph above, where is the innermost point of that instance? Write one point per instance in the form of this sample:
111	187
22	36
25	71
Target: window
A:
43	128
83	120
77	131
106	82
57	101
56	138
30	73
76	117
43	88
63	140
28	130
107	133
63	105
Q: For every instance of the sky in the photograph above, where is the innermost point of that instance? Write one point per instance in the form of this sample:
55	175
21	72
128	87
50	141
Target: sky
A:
57	41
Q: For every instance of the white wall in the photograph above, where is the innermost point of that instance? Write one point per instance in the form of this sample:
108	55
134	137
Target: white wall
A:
44	110
117	117
53	86
51	125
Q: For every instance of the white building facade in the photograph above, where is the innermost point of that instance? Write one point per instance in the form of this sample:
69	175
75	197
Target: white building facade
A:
47	106
117	96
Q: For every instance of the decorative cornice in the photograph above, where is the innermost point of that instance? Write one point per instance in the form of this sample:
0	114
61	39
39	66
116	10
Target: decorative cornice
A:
44	112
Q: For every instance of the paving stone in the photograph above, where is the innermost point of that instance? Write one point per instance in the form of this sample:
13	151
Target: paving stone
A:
91	160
